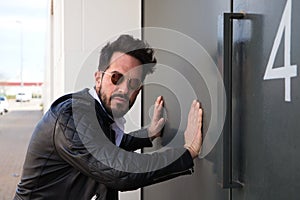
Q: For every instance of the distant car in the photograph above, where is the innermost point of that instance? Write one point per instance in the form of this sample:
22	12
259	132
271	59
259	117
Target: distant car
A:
23	96
4	103
1	109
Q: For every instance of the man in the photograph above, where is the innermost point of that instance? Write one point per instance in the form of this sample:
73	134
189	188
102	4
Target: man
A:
79	151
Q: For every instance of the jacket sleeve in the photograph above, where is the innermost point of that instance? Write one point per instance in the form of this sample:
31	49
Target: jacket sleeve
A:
80	141
136	140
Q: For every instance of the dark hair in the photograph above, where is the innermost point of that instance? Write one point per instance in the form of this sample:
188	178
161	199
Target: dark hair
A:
131	46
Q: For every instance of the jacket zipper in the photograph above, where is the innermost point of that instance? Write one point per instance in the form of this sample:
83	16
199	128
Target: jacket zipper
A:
95	197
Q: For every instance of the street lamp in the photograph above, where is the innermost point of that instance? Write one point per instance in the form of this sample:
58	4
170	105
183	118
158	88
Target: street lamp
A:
21	52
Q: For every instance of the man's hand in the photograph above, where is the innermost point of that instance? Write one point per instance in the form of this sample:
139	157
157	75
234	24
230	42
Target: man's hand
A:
193	132
157	122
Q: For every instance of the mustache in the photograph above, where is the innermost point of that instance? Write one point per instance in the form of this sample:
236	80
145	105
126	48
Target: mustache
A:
124	96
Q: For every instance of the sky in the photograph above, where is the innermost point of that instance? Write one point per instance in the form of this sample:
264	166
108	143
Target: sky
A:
23	26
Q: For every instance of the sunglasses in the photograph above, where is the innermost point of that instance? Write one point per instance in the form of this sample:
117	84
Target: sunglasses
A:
118	78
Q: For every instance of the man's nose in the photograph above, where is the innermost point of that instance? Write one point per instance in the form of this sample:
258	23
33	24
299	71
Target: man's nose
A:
123	86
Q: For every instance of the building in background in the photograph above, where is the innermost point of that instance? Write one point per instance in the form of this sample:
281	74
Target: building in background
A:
11	89
77	31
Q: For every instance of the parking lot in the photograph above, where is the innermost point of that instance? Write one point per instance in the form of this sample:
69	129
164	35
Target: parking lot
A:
16	128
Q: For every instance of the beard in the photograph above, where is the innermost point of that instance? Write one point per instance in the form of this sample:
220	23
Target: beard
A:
119	110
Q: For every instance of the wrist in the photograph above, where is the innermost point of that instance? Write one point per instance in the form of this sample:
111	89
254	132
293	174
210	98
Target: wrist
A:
151	136
192	151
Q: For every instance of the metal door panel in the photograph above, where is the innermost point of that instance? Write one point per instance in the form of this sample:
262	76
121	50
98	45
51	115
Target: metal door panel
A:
199	20
266	126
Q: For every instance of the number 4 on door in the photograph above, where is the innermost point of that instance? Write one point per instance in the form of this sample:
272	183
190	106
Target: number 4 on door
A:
287	71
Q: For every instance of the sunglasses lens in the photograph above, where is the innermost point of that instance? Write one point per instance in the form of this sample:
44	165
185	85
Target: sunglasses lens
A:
117	78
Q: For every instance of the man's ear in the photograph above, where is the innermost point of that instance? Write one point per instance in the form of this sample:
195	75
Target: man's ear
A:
97	76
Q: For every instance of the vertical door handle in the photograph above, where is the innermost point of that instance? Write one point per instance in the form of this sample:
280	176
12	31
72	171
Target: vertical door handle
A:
228	181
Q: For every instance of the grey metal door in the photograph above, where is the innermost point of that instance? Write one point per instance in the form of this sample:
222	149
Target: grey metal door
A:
266	99
181	27
261	73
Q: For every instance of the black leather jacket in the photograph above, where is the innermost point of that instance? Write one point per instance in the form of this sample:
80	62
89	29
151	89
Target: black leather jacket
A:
70	156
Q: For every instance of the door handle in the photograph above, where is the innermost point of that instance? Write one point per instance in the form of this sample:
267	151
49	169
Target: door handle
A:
228	181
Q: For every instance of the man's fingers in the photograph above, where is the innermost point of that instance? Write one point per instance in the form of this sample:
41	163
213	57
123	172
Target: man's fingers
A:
193	134
200	114
158	121
159	100
158	108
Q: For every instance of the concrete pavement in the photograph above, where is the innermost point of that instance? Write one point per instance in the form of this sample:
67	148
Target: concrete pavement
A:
15	131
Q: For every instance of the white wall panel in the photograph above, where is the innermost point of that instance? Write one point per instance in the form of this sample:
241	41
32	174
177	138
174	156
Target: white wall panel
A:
79	28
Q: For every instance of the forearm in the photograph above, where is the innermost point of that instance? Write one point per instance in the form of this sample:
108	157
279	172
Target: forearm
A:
183	165
136	140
